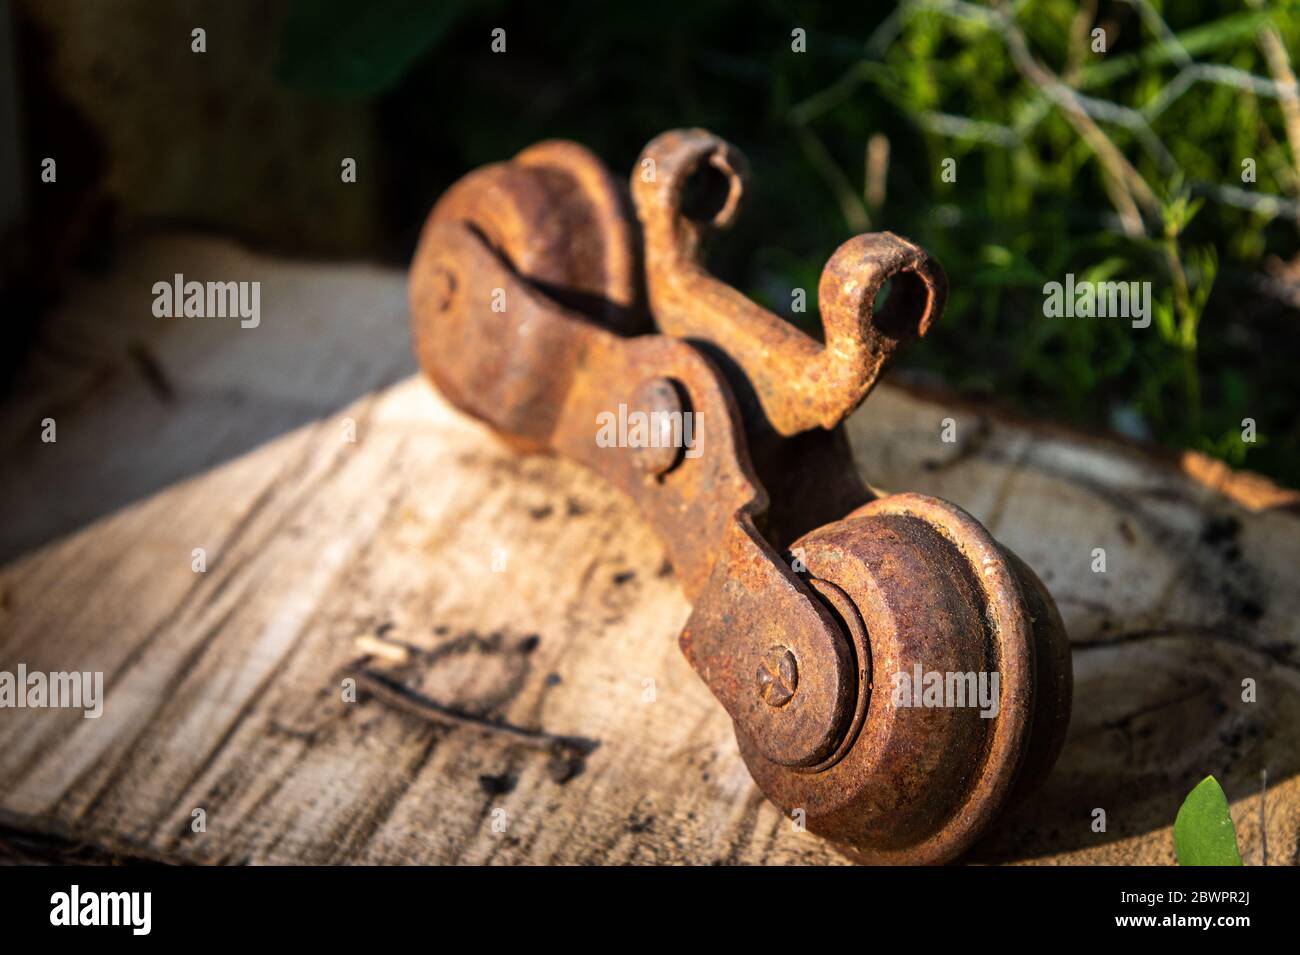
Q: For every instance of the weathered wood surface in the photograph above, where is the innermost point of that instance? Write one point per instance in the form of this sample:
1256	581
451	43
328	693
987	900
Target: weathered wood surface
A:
224	687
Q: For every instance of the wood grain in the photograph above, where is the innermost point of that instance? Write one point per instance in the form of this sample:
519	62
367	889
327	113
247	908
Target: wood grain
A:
526	591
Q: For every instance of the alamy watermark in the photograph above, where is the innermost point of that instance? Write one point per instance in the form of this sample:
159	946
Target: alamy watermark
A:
182	299
130	909
1131	300
949	689
651	429
78	690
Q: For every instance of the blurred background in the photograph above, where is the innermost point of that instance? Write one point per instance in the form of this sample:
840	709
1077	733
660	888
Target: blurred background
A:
1170	156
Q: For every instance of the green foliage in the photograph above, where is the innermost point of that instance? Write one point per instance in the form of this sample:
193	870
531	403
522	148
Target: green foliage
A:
1031	202
1203	831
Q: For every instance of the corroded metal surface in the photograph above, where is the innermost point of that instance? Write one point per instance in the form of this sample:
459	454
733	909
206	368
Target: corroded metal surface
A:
799	383
935	591
524	290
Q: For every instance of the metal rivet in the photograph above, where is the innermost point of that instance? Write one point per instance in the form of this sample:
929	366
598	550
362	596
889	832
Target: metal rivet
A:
658	398
442	287
778	676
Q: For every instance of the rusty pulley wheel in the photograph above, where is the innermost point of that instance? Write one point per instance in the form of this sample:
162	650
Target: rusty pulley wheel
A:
893	674
924	590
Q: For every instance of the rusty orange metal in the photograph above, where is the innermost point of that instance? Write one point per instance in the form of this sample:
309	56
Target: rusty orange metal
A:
533	298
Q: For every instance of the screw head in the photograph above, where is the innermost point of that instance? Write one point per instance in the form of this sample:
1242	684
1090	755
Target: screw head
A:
442	287
658	398
778	676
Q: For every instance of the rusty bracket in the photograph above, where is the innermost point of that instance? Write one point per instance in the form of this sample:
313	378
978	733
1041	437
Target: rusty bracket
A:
527	303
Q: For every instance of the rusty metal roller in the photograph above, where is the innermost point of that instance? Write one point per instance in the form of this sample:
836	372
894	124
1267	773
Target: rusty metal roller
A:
894	675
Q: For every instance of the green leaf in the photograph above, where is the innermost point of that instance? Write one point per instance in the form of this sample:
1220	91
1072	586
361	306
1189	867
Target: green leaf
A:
1203	832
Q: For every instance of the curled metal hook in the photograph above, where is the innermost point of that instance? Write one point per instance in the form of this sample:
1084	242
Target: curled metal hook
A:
799	382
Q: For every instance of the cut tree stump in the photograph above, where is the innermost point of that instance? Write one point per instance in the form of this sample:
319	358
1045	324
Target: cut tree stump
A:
524	590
